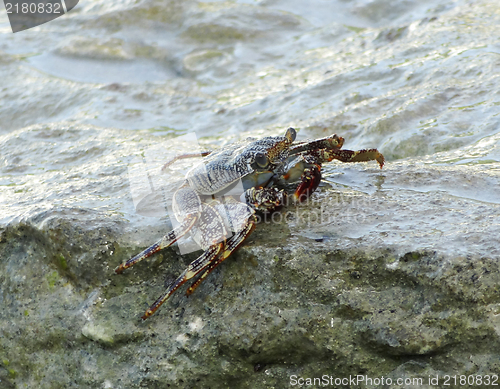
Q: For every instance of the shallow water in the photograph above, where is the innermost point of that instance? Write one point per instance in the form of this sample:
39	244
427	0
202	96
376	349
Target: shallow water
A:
83	95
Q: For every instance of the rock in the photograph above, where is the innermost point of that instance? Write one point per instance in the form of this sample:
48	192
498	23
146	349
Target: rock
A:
384	274
287	304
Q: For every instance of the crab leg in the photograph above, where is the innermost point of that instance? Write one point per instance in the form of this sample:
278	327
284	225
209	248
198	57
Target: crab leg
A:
194	268
353	156
166	241
231	245
184	156
329	142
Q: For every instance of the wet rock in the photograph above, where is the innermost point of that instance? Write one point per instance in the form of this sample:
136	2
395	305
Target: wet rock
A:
284	301
390	272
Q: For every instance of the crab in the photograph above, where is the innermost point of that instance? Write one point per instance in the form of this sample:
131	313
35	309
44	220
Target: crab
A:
220	221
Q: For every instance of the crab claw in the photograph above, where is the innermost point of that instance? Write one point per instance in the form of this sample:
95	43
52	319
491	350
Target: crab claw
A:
309	182
367	155
355	156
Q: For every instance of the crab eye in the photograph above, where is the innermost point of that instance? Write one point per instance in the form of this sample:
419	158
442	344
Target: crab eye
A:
290	134
261	160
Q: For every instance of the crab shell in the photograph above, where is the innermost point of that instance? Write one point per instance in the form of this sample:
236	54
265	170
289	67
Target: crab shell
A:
238	161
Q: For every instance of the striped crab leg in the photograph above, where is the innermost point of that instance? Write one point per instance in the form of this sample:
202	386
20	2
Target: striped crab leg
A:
327	143
194	268
243	220
164	242
354	156
231	245
184	156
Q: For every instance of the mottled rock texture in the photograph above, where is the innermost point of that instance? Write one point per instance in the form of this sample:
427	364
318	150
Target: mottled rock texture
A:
290	302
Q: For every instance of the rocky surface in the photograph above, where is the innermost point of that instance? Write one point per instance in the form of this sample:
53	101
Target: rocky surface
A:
388	273
386	282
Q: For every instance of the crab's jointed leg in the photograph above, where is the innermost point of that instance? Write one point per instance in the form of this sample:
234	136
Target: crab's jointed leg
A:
194	268
184	156
328	143
204	264
231	245
243	221
188	208
165	242
355	156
